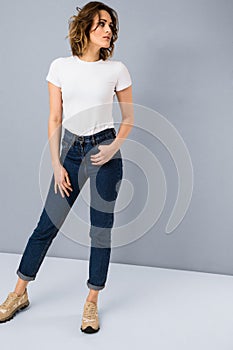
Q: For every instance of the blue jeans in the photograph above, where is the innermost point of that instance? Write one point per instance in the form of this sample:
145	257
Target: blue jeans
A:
105	181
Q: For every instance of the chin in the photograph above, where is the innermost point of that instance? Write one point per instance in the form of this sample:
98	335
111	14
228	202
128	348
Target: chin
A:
106	44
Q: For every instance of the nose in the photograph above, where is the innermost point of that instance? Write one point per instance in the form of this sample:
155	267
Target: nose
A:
108	29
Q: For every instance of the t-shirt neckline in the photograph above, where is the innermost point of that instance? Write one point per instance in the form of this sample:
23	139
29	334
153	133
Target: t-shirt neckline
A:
86	62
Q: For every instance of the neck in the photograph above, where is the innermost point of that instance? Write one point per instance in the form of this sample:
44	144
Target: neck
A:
91	55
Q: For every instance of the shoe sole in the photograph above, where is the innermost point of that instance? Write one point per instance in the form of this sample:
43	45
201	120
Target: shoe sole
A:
21	307
89	330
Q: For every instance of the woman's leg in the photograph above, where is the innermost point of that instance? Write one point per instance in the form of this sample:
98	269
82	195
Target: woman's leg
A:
20	287
105	183
104	186
52	217
93	296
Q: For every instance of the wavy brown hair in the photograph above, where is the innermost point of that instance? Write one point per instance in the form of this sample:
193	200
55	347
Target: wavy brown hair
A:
80	25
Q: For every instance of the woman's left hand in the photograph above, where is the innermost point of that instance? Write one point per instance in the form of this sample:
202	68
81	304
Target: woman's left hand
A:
106	152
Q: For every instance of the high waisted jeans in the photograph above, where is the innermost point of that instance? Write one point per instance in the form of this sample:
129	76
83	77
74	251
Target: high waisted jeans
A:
104	186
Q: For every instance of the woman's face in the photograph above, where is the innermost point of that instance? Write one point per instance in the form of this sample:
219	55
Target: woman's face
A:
103	30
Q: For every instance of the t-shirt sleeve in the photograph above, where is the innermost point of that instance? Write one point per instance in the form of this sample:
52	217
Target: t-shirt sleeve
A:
124	79
53	73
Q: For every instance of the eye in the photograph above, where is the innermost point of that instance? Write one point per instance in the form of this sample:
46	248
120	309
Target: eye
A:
103	24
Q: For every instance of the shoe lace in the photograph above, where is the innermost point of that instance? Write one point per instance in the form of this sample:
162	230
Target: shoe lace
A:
8	300
89	312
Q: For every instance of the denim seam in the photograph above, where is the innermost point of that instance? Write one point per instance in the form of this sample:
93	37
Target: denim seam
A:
42	255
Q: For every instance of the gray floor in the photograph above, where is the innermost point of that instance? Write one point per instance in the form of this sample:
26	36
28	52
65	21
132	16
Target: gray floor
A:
140	307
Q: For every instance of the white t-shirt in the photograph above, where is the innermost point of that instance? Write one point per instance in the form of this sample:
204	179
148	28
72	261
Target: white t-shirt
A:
87	90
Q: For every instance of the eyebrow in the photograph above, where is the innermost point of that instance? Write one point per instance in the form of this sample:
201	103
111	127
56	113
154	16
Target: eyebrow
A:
102	19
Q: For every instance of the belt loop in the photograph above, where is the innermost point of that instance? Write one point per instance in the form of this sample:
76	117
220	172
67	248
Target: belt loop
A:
73	140
93	140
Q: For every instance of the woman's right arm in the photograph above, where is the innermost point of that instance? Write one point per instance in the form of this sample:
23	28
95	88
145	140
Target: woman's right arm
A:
54	136
54	122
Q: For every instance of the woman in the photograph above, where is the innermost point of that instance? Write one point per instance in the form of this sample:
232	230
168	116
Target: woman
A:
78	85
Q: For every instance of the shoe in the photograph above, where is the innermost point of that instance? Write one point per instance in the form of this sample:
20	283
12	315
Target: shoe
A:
12	305
90	321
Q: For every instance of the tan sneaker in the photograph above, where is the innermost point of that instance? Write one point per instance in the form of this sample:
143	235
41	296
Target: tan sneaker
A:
90	321
12	304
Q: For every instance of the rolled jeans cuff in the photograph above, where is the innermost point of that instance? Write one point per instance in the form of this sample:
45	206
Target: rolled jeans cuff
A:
92	286
25	278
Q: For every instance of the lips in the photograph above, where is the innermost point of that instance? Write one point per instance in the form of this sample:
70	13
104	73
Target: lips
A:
107	37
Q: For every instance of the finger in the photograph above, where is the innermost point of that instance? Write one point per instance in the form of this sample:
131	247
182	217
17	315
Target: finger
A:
67	179
96	156
96	161
55	187
67	186
66	182
99	162
62	194
65	190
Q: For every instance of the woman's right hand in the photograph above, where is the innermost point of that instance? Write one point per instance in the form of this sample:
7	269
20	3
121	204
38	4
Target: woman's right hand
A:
61	179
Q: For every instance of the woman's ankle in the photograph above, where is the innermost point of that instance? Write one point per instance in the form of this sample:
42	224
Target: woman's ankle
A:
92	300
19	292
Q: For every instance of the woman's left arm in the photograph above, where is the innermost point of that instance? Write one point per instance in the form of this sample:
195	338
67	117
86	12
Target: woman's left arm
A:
126	105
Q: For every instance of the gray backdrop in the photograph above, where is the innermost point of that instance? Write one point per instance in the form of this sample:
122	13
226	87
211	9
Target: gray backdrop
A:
179	54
